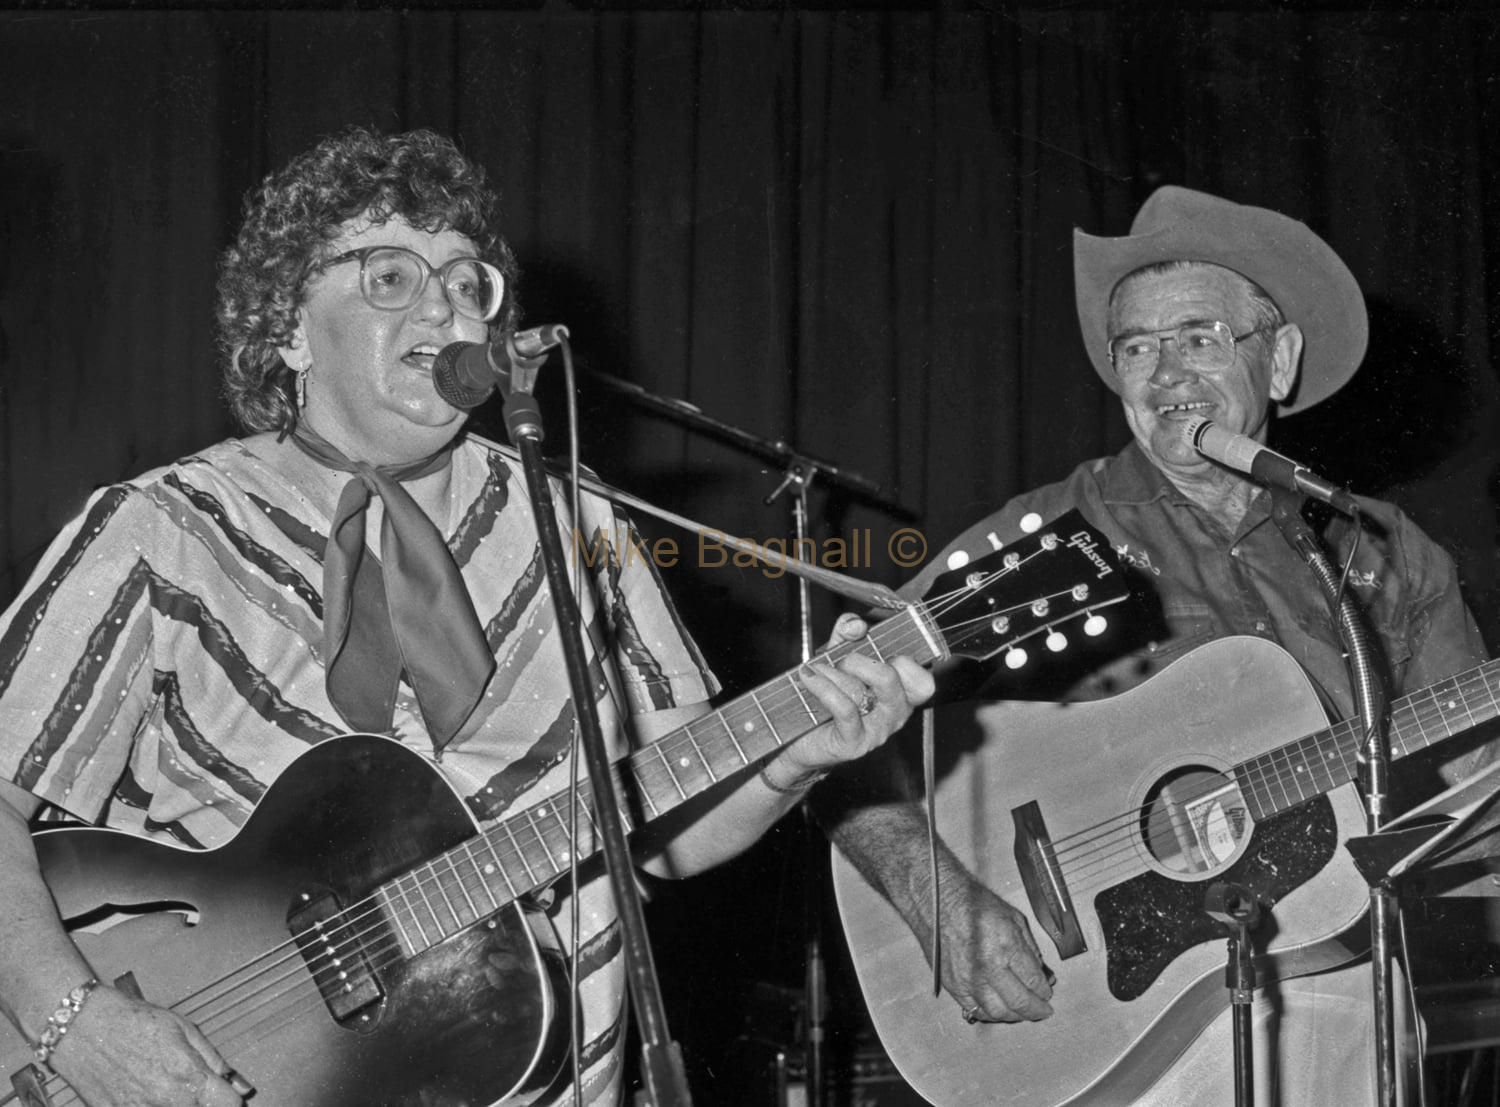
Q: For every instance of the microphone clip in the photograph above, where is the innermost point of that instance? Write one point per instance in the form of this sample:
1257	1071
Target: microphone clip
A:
523	371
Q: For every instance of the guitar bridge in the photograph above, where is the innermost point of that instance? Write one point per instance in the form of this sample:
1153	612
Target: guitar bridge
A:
1048	893
336	955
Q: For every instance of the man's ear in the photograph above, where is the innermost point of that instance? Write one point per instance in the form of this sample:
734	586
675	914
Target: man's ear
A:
1286	360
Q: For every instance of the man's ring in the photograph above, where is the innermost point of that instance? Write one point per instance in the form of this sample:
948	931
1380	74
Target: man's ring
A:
971	1014
867	702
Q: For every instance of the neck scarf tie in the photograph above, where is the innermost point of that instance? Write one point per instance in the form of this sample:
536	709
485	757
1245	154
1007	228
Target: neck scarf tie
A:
409	612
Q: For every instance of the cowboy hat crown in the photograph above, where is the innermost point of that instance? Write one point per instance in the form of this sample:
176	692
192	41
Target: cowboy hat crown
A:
1296	268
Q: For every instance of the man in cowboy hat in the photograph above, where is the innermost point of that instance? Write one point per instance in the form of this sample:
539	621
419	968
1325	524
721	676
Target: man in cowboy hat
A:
1227	312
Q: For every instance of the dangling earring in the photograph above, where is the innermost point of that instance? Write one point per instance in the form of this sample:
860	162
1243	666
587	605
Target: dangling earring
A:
301	385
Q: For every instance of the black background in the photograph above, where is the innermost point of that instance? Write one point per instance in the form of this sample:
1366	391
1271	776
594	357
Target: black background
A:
844	228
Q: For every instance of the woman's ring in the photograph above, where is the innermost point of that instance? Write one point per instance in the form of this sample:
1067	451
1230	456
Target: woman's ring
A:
971	1014
867	702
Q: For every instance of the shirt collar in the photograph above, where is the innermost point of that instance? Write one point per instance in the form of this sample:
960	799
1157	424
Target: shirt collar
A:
1135	481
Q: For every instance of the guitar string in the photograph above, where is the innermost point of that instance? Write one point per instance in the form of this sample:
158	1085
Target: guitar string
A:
72	1100
316	997
1491	698
392	947
438	879
1101	849
377	954
1344	741
1414	713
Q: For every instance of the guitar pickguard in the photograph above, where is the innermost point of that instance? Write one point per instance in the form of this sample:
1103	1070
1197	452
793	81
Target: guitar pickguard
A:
1150	919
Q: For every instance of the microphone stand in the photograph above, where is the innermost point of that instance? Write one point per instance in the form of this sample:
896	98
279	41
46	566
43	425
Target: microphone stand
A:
1237	908
662	1066
1375	761
799	475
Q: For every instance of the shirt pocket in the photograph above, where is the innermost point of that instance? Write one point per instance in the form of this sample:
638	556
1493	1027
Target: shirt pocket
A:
1395	644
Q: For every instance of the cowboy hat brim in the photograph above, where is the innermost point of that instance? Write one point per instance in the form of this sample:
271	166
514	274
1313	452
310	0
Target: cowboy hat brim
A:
1296	268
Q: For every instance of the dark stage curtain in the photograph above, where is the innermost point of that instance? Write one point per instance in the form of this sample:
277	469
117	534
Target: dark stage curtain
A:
847	230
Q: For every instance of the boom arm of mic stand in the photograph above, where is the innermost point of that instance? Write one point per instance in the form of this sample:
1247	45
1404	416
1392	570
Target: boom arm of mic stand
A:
662	1067
777	451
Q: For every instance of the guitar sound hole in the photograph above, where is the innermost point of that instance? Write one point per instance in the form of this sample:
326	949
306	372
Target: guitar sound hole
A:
1194	820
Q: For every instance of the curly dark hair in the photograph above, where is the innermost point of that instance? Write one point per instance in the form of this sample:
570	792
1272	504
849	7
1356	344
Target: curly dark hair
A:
294	215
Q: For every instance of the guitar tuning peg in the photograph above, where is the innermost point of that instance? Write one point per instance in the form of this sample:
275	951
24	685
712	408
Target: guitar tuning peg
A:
1015	657
1057	641
1094	625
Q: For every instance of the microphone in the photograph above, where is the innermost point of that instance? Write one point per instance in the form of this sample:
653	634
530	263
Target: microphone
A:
465	373
1241	452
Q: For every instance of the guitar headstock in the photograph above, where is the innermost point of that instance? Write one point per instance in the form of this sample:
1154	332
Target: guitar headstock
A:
1061	572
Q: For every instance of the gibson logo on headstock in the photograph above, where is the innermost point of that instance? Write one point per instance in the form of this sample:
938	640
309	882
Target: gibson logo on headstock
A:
1083	541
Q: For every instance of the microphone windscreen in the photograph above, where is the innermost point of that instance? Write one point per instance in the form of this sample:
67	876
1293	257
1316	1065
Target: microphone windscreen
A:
1237	451
454	376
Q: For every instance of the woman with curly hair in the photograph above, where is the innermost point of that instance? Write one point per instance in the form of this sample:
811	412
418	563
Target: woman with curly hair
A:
194	651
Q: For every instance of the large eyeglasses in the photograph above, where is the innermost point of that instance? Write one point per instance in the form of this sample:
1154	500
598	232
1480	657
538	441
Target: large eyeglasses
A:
1206	347
393	278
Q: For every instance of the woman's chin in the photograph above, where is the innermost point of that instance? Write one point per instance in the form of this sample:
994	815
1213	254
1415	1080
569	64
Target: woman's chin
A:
423	408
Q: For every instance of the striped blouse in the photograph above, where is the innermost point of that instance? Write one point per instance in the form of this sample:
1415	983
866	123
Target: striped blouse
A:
165	663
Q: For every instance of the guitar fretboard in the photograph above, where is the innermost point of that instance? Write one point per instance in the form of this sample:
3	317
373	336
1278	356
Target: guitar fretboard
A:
533	846
1302	770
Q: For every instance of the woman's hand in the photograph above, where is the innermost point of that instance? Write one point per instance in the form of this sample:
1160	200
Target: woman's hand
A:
121	1052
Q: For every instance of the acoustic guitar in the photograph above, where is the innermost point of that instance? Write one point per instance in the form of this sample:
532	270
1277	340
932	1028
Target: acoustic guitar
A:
362	942
1106	822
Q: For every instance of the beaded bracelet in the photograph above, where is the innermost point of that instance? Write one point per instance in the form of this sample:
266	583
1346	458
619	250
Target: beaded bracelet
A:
60	1021
796	789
